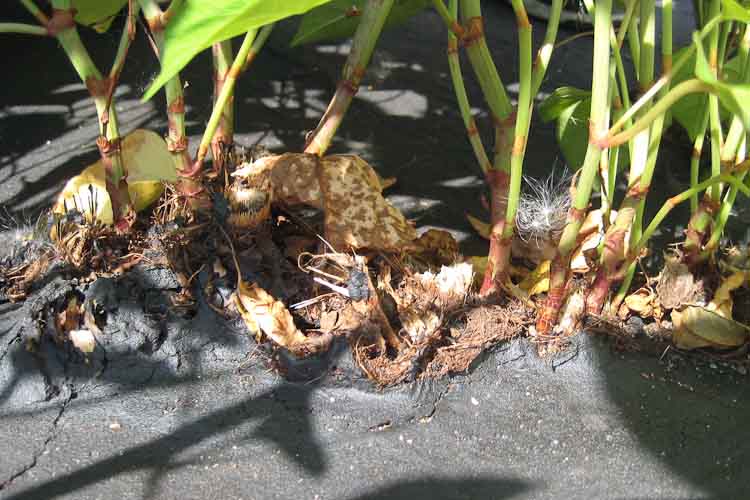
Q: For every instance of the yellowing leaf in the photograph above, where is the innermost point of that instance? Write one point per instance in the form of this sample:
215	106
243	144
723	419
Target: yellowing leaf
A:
698	327
483	228
641	302
722	302
537	281
147	165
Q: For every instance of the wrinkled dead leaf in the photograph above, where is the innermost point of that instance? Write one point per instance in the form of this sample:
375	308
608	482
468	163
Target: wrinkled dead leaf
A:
147	165
263	313
676	286
644	303
698	327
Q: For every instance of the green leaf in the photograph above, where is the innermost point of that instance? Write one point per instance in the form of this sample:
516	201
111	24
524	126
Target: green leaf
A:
733	11
560	100
688	110
97	14
339	19
197	24
573	131
733	96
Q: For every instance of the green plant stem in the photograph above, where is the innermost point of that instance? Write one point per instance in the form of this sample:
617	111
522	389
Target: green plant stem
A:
660	107
224	97
23	29
461	96
258	44
523	119
600	104
35	11
663	80
371	24
481	61
627	20
450	19
544	53
177	141
695	159
223	137
676	200
714	119
109	140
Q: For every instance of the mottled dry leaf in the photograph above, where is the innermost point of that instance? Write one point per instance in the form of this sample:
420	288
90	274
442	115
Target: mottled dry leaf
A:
436	245
356	214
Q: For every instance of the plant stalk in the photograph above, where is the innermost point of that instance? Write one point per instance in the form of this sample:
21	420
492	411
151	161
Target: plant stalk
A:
373	19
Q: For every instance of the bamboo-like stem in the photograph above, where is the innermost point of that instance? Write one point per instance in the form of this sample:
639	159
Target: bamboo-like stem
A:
450	19
223	137
523	120
177	141
660	107
23	29
258	44
663	80
598	126
224	97
368	31
109	135
627	19
461	96
671	203
481	61
695	159
714	119
35	11
723	216
544	53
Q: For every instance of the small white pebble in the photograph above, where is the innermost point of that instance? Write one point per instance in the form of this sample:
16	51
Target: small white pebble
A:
474	401
115	426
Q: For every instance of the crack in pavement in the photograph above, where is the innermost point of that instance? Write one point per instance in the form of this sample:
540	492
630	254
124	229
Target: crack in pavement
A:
52	434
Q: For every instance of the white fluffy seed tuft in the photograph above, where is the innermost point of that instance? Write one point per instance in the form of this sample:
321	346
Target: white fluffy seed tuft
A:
543	209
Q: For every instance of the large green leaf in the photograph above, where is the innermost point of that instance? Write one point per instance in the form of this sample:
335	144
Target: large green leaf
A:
339	19
733	11
197	24
560	100
97	14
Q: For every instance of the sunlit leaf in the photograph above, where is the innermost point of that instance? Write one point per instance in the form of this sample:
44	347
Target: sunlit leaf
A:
197	24
560	100
731	10
147	165
339	19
